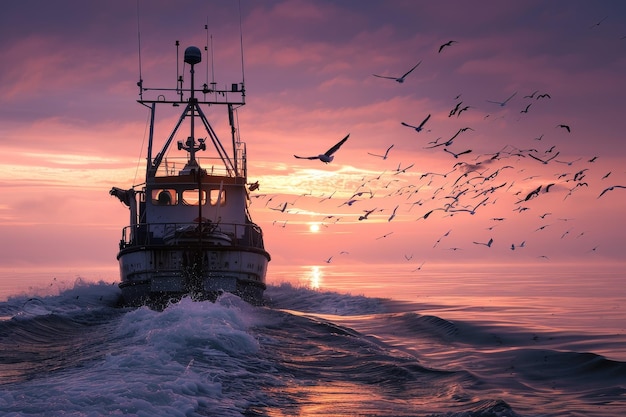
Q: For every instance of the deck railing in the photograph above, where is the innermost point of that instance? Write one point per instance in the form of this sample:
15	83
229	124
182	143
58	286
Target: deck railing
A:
213	165
168	234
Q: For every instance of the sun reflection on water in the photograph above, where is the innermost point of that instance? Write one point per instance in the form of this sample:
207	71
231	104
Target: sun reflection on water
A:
314	276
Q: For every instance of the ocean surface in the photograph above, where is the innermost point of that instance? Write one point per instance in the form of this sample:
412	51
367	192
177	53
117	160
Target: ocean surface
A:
331	341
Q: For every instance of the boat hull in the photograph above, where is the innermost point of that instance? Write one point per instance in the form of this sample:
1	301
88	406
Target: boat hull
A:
156	275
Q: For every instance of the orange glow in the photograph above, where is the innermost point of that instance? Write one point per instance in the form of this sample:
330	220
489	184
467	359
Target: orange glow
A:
71	129
314	278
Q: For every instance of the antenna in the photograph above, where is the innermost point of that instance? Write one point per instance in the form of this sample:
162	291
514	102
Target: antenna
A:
140	82
212	65
177	73
243	76
206	49
179	78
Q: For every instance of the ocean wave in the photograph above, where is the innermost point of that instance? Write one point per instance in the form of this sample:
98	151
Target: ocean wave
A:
304	353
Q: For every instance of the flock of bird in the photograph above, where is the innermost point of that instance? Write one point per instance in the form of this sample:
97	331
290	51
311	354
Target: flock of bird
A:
473	182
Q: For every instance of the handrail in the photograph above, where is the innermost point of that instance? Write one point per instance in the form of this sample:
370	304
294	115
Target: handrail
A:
170	234
213	165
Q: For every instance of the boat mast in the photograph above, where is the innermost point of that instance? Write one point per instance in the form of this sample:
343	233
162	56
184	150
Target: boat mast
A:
193	56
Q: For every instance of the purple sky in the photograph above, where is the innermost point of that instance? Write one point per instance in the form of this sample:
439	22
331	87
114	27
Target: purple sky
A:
70	128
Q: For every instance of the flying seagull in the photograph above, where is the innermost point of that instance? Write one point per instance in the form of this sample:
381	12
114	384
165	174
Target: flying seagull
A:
533	193
327	156
488	244
566	127
502	103
253	186
599	22
455	109
399	170
393	214
532	95
400	79
456	155
367	213
280	208
544	161
449	141
446	44
382	156
417	128
611	189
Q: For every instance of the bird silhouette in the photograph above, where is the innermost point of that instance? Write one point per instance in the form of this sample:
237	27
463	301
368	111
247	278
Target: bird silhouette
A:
456	155
488	244
382	156
280	208
611	189
417	128
461	110
253	186
399	79
419	268
384	236
367	213
327	156
446	44
533	193
449	141
599	22
503	103
521	245
532	95
544	161
444	235
393	214
400	170
455	109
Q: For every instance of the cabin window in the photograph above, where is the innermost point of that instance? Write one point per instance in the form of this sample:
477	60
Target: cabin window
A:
192	197
164	197
217	197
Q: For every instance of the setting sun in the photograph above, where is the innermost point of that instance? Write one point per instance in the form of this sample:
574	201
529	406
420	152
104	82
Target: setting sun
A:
313	207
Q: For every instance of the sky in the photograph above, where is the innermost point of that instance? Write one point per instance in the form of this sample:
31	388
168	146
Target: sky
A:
537	135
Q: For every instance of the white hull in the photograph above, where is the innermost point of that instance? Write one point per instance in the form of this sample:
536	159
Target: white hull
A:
156	274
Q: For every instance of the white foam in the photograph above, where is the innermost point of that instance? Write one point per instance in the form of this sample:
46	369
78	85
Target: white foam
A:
154	363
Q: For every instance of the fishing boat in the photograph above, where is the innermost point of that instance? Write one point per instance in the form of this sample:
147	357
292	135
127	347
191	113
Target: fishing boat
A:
190	232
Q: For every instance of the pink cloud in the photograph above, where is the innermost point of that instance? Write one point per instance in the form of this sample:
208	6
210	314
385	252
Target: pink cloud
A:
309	80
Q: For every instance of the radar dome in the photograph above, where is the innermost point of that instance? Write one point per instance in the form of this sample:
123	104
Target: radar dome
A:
193	55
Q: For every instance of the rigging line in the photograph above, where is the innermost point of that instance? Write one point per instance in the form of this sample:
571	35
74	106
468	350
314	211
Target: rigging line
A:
212	63
238	136
143	141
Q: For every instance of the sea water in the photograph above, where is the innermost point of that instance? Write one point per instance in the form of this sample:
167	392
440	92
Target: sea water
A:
330	341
